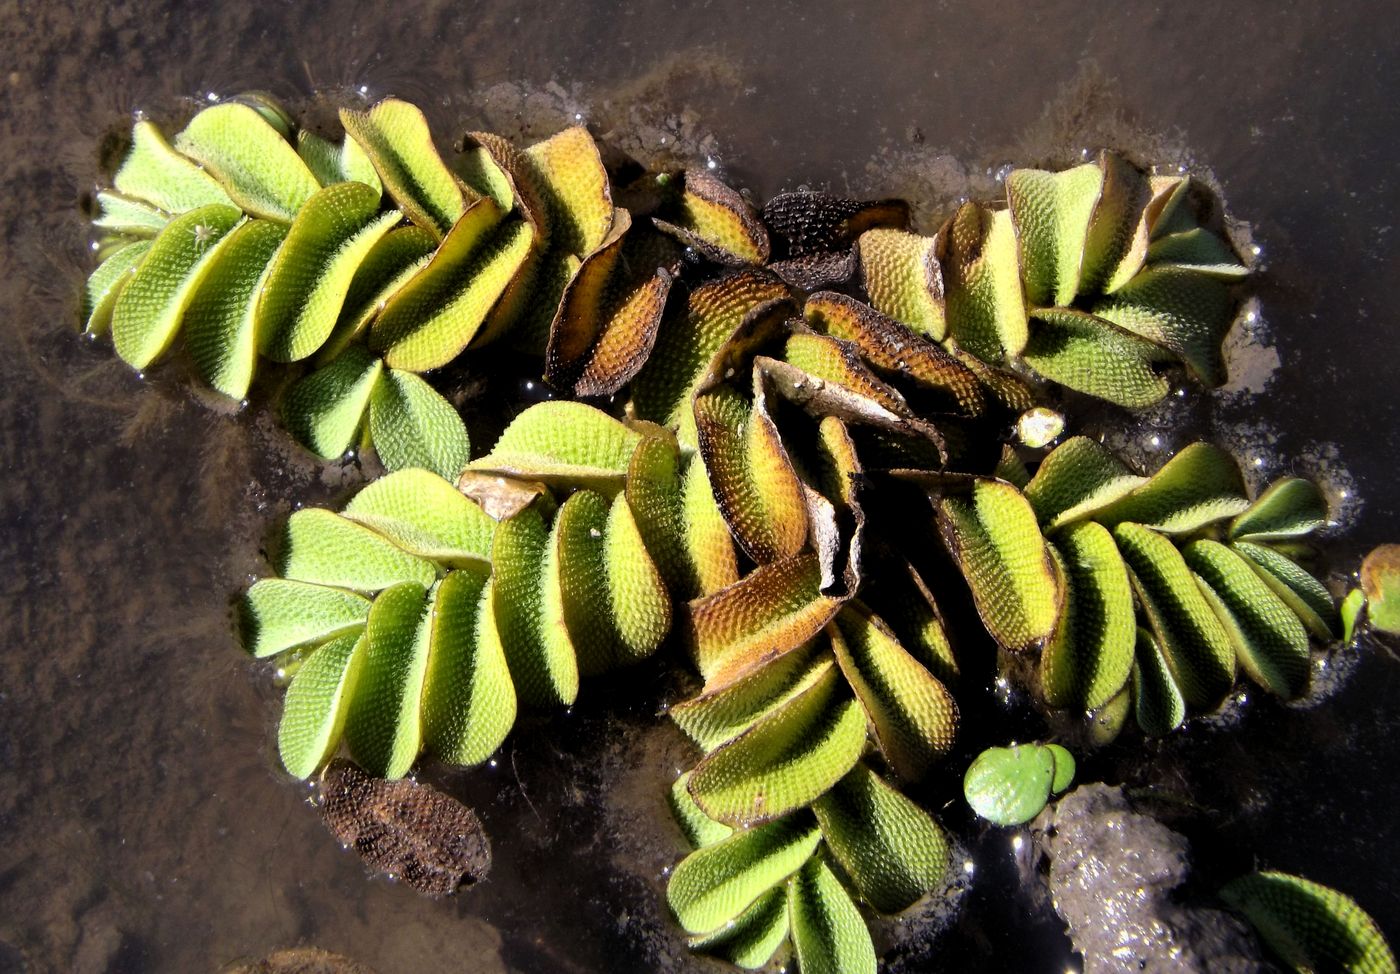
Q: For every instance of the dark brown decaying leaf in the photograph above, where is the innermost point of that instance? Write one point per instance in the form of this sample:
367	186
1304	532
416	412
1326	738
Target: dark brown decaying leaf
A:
413	832
714	219
607	321
814	234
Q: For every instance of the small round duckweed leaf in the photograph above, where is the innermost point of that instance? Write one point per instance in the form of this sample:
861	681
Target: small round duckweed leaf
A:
257	166
412	425
1010	785
829	936
891	848
715	884
1064	768
1309	926
314	711
1380	581
277	614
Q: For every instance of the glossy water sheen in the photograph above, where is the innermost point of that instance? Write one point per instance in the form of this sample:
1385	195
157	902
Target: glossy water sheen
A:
145	826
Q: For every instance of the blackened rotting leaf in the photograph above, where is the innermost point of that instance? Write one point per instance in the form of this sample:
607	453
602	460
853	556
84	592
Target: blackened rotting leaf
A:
814	233
413	832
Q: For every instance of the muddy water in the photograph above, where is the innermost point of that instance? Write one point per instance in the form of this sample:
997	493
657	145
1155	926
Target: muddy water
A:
145	825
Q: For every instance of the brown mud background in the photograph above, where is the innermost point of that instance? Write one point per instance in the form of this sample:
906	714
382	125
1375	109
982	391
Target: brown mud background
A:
145	824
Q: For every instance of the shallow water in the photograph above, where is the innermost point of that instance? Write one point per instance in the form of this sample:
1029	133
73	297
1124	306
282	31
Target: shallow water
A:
145	825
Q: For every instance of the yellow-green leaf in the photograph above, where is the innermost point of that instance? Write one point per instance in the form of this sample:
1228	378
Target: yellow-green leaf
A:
426	515
1290	508
1051	212
985	306
1198	486
317	702
904	279
106	283
258	168
1305	595
829	936
541	659
1180	310
563	442
1096	357
1078	478
152	303
322	547
412	425
752	938
1090	657
395	136
155	172
323	411
277	614
384	726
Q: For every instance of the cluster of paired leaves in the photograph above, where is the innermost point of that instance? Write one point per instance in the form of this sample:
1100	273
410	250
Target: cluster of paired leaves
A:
785	379
1144	591
1092	278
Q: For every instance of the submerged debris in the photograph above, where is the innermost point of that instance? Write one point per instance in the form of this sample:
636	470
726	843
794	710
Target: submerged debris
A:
413	832
302	960
1113	877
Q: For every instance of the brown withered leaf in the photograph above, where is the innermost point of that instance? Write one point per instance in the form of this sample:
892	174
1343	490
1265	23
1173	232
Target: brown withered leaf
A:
703	213
499	496
896	351
415	833
812	272
607	321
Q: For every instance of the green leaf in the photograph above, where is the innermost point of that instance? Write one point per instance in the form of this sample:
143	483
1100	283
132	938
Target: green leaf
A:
151	305
412	425
1010	785
324	548
639	608
384	727
122	214
752	938
277	614
316	705
1180	310
1197	249
985	306
785	760
715	884
563	442
914	716
427	516
541	659
1305	595
331	163
829	935
323	411
220	323
1090	657
390	264
106	283
1051	212
1198	651
1200	485
468	698
713	718
1064	768
891	848
1310	927
1290	508
903	278
309	277
1380	580
429	320
1157	702
1078	478
1116	243
1097	358
1351	608
395	137
1270	642
700	830
156	173
258	168
992	534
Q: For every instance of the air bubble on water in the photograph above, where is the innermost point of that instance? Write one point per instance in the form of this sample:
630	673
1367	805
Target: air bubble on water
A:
210	97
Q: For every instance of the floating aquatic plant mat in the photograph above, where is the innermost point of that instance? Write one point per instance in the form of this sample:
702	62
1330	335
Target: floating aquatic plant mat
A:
783	439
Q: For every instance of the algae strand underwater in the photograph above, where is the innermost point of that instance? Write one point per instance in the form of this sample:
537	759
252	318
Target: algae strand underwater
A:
819	463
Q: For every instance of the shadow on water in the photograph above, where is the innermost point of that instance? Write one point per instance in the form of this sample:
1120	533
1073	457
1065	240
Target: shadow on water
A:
146	826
